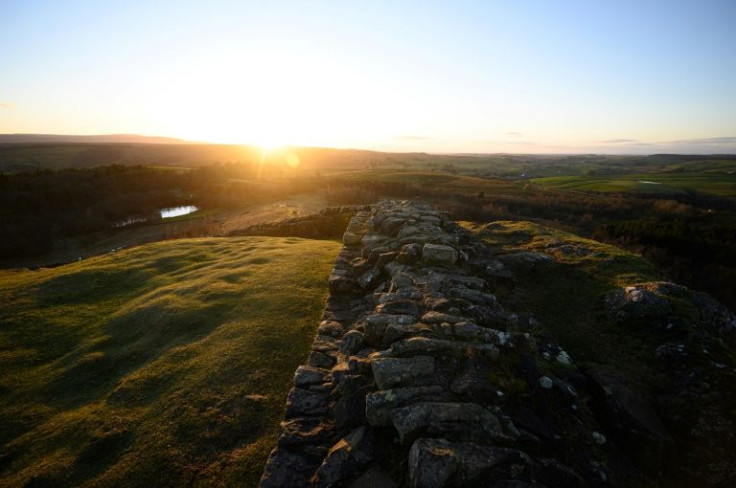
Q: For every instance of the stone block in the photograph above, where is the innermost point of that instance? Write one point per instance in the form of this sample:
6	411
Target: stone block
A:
391	372
461	421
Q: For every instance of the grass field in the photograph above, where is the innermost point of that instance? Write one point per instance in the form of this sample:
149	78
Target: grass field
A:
162	365
441	180
716	183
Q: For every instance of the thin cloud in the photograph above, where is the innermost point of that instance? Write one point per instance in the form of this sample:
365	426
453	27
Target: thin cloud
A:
707	140
515	134
6	105
620	141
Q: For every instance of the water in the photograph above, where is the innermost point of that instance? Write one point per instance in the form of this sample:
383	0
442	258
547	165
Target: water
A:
177	211
130	221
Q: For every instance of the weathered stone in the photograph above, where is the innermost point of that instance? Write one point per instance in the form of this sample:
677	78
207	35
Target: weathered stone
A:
439	254
350	406
386	257
470	282
487	316
394	268
375	325
321	360
438	318
423	345
378	405
392	334
393	297
325	343
305	403
309	375
399	307
409	254
474	296
546	382
441	304
351	238
287	468
637	304
462	421
307	430
391	225
370	279
391	372
439	463
432	219
651	304
351	342
409	230
375	253
402	281
359	266
373	240
345	458
341	285
331	328
360	365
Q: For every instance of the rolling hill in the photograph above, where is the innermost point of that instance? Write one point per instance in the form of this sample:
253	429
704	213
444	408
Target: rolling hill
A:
162	365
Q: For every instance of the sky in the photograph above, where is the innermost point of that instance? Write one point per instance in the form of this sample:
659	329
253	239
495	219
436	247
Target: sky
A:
523	76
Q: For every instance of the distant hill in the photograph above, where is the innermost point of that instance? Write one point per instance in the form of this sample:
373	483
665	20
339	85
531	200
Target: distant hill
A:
100	139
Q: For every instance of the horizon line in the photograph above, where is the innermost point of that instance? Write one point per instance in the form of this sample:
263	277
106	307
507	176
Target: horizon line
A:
170	140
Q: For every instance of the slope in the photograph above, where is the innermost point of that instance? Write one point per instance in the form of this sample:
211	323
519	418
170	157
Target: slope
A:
163	365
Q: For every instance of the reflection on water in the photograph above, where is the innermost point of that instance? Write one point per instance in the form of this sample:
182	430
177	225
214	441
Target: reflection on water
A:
130	221
177	211
164	212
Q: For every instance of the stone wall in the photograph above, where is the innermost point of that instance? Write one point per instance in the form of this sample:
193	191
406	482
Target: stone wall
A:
419	377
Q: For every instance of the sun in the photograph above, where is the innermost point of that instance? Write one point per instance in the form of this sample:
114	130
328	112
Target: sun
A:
268	140
270	146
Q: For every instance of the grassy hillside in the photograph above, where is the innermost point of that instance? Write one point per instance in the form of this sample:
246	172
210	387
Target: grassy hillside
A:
566	292
163	365
715	183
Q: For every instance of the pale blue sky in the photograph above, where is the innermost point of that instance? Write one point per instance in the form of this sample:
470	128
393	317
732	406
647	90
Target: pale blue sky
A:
511	76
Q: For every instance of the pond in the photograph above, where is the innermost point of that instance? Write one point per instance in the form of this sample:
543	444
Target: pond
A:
177	211
164	212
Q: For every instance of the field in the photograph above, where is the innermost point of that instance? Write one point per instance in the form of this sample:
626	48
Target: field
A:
714	183
162	365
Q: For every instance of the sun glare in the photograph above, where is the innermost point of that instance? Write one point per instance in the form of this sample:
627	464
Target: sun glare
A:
270	145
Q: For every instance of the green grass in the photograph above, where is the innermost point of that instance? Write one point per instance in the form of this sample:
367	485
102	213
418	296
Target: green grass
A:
445	181
566	294
162	365
716	183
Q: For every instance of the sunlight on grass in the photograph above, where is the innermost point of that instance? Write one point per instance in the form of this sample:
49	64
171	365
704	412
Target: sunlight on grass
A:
163	365
715	183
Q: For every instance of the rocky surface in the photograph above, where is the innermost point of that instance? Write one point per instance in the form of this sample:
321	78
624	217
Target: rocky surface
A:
419	377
